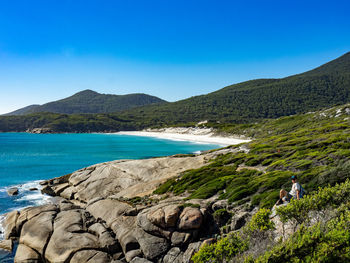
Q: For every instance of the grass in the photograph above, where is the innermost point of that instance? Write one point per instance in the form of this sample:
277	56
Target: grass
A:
314	146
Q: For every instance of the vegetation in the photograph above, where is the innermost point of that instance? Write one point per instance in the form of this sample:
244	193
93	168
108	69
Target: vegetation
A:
260	221
315	147
326	240
242	104
221	251
89	101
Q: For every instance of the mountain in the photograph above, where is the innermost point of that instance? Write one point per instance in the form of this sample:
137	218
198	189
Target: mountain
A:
324	86
88	101
246	102
24	110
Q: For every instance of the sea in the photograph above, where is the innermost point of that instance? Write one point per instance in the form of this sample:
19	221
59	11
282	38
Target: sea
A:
26	159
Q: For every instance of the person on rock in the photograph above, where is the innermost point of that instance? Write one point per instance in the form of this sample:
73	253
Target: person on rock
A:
296	192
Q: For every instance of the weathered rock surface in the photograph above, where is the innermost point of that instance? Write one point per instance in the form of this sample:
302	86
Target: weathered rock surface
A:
26	254
6	244
190	218
10	224
12	191
90	222
37	231
68	237
92	256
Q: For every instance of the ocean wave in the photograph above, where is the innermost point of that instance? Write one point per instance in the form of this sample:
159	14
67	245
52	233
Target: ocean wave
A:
24	199
2	229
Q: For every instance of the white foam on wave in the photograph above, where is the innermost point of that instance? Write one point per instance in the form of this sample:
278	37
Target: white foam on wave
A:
2	229
32	198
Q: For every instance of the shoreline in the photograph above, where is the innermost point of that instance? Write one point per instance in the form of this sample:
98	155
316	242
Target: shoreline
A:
207	138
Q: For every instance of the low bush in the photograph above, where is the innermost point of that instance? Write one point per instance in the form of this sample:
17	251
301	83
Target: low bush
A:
324	198
223	250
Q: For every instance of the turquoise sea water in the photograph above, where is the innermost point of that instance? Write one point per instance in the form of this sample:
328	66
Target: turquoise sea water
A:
26	158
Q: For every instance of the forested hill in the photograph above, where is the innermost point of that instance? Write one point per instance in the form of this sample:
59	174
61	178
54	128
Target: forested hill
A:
246	102
324	86
89	101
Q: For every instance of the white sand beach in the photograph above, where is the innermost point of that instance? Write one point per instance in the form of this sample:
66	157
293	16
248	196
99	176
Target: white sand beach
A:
197	135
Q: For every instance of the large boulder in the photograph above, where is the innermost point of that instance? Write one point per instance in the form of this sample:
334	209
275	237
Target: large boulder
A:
69	237
140	260
25	254
174	255
30	212
37	231
108	210
6	244
190	251
10	224
190	218
105	239
90	256
151	246
12	191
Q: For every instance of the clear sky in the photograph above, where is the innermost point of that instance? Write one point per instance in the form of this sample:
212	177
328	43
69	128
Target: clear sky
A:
173	49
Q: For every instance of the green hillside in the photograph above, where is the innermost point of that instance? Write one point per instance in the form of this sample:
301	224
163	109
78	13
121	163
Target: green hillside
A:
315	147
246	102
89	101
322	87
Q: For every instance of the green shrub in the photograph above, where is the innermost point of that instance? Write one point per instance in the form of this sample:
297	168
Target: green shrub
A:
260	221
328	242
223	250
322	199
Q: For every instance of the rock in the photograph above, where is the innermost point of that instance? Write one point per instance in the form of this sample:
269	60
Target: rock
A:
37	231
156	217
171	214
151	246
10	225
30	212
6	245
65	206
25	254
239	220
221	204
92	256
43	182
174	255
130	255
48	190
60	188
140	260
105	238
208	241
190	218
33	189
180	238
124	228
190	251
68	193
129	178
68	237
108	210
146	225
12	191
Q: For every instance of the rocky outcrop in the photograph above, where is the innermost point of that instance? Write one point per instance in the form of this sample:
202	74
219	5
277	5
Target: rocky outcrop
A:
92	220
12	191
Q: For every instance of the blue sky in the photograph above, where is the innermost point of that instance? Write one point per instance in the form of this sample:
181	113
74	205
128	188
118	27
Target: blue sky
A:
173	49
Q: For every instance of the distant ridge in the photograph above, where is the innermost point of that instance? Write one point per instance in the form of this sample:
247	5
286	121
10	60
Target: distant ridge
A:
324	86
89	101
247	102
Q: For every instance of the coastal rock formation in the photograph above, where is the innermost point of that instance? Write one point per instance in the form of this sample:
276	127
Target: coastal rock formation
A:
93	218
12	191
